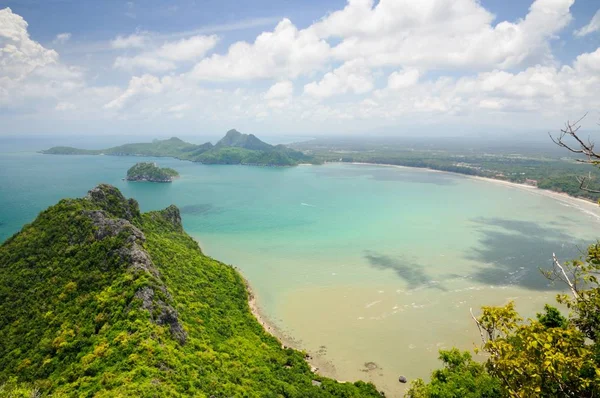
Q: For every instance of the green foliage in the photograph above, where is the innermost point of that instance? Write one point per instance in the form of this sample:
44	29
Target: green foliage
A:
234	148
533	359
13	389
514	164
235	139
585	302
552	318
67	150
146	171
230	155
95	299
461	377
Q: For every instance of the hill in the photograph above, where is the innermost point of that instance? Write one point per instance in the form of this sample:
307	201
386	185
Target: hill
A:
146	171
97	299
233	148
235	139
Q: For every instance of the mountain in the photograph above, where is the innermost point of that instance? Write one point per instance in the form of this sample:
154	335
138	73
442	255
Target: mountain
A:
235	139
98	299
233	148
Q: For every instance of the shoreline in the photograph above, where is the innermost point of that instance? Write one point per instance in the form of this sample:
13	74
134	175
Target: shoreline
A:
317	366
593	207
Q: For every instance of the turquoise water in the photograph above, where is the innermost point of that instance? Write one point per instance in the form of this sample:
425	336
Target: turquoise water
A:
356	263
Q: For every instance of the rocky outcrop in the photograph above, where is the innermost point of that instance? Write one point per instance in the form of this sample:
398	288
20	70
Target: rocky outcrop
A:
133	253
109	226
173	216
161	313
112	200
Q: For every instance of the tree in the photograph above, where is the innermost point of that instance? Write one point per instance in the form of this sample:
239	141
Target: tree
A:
461	377
551	356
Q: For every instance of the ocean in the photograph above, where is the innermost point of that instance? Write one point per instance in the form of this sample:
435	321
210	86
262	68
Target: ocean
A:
371	269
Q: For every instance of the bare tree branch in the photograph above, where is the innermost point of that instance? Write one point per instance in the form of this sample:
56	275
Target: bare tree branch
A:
586	148
478	326
566	278
584	183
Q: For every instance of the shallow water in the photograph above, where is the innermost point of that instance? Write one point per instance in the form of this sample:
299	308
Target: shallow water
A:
371	269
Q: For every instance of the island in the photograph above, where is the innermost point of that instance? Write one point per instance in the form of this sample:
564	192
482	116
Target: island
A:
150	172
233	148
100	299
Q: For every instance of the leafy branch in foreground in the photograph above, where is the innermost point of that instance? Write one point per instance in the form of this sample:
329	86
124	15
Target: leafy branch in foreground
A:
551	356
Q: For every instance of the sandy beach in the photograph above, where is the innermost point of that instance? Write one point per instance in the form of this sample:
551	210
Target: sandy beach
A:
318	365
588	206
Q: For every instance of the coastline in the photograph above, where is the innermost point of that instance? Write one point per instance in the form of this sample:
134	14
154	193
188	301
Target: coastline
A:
317	365
586	205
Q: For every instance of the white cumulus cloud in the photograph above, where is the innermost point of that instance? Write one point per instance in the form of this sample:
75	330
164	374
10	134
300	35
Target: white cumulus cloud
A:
286	52
403	79
19	54
353	76
442	33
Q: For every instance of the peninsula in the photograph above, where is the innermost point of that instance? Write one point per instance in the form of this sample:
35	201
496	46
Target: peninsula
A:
146	171
234	148
98	299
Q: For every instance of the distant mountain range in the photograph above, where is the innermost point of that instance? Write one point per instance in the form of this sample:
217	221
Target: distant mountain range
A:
234	148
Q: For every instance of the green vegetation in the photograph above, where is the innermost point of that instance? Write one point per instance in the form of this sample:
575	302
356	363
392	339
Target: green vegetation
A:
97	299
146	171
543	166
550	356
460	377
234	148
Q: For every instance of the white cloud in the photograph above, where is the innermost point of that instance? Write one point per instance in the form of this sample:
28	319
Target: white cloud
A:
166	57
64	106
20	54
280	94
593	26
187	49
138	88
403	79
286	52
62	38
353	76
442	33
540	91
372	57
283	89
179	108
28	71
136	40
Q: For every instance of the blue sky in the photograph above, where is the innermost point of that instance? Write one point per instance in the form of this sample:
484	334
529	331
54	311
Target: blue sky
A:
296	67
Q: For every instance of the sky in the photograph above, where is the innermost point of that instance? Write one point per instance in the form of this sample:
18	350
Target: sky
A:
303	67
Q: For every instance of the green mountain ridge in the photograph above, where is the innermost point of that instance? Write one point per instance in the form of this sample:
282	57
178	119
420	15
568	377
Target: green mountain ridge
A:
98	299
233	148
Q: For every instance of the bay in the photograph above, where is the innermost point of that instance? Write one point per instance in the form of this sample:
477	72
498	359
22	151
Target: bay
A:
371	269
